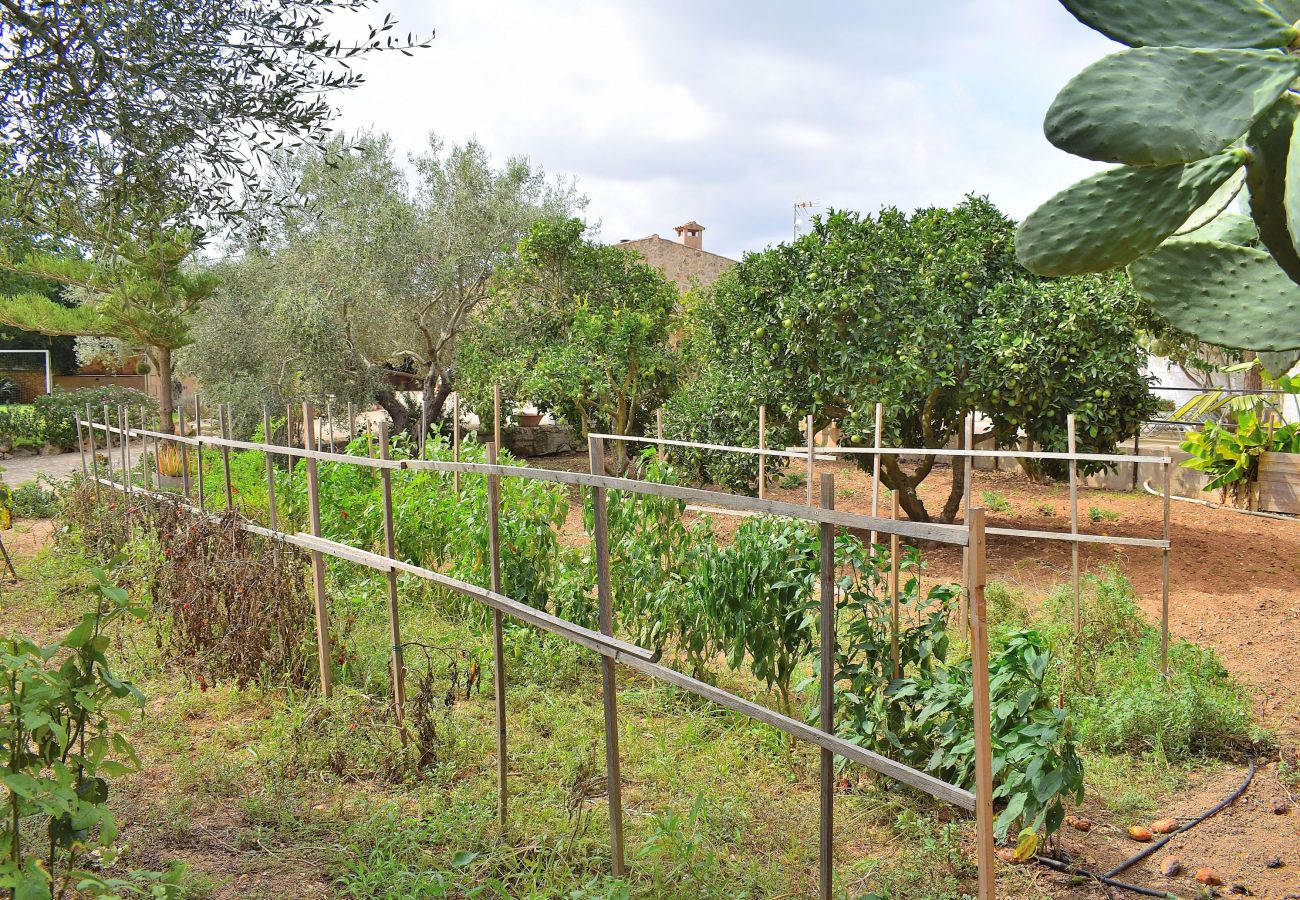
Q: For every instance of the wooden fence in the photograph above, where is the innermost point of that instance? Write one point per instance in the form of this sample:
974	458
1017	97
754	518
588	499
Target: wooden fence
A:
613	650
810	455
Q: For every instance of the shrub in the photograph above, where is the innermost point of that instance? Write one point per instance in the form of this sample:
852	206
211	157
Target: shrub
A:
56	413
717	407
20	426
32	501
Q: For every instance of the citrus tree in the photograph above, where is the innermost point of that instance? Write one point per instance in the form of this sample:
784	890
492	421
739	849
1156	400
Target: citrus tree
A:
929	314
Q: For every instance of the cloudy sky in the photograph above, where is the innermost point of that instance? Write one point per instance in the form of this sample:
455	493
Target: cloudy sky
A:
730	112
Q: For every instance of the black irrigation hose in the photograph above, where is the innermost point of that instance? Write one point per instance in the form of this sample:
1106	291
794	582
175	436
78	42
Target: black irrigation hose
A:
1109	879
1068	869
1213	810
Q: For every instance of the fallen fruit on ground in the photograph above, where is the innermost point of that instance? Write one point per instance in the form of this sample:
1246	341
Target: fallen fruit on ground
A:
1079	823
1164	826
1208	877
1170	866
1139	833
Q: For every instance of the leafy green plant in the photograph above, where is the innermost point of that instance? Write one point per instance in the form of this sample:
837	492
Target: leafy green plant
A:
34	501
792	481
1101	514
58	750
995	502
1213	85
1231	456
758	596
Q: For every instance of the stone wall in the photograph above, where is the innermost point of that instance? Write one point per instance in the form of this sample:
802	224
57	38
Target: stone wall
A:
682	265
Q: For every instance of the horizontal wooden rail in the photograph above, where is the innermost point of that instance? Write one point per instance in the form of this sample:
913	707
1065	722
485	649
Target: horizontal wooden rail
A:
921	531
628	654
902	451
1119	540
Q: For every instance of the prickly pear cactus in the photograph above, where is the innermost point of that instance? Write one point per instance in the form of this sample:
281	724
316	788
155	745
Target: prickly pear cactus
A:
1206	89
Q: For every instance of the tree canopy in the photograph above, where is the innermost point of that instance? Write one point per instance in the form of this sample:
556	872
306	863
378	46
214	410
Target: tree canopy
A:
183	97
929	314
577	327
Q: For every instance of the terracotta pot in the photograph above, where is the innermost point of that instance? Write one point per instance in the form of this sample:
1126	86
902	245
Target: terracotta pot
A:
530	420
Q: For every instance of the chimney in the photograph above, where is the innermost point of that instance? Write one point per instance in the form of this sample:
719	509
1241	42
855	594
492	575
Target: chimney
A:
691	234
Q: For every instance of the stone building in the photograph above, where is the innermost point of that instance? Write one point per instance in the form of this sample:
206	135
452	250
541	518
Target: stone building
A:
684	260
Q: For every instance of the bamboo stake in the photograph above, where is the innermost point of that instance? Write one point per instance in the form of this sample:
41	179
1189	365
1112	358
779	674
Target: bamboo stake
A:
424	425
498	637
81	448
762	445
198	451
185	454
272	514
496	416
659	432
124	447
1164	585
893	591
94	463
826	854
352	421
1074	526
397	663
808	426
108	447
875	469
288	441
609	684
317	558
223	416
979	650
144	443
455	440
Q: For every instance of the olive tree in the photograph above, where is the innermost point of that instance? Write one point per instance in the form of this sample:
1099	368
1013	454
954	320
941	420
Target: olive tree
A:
930	315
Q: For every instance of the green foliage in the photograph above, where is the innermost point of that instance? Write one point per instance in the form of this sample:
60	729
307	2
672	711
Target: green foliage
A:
716	407
1201	93
32	501
758	593
995	502
1114	691
58	749
577	327
929	314
1230	456
56	413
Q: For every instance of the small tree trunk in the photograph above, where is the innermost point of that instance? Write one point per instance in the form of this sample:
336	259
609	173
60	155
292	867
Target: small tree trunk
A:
166	409
396	409
897	480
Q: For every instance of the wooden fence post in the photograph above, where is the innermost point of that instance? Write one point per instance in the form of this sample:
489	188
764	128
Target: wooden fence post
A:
808	425
424	427
1164	584
659	431
223	414
968	469
198	451
329	419
144	444
352	421
397	665
893	591
826	854
498	637
317	558
124	447
496	416
1074	526
762	447
94	463
455	440
288	441
979	651
609	683
875	470
272	514
185	452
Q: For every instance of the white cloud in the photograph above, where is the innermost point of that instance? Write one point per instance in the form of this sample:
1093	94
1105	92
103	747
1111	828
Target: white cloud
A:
730	112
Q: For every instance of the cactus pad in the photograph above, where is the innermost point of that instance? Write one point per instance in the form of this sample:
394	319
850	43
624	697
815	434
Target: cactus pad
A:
1231	228
1154	106
1189	23
1112	218
1221	293
1270	145
1278	364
